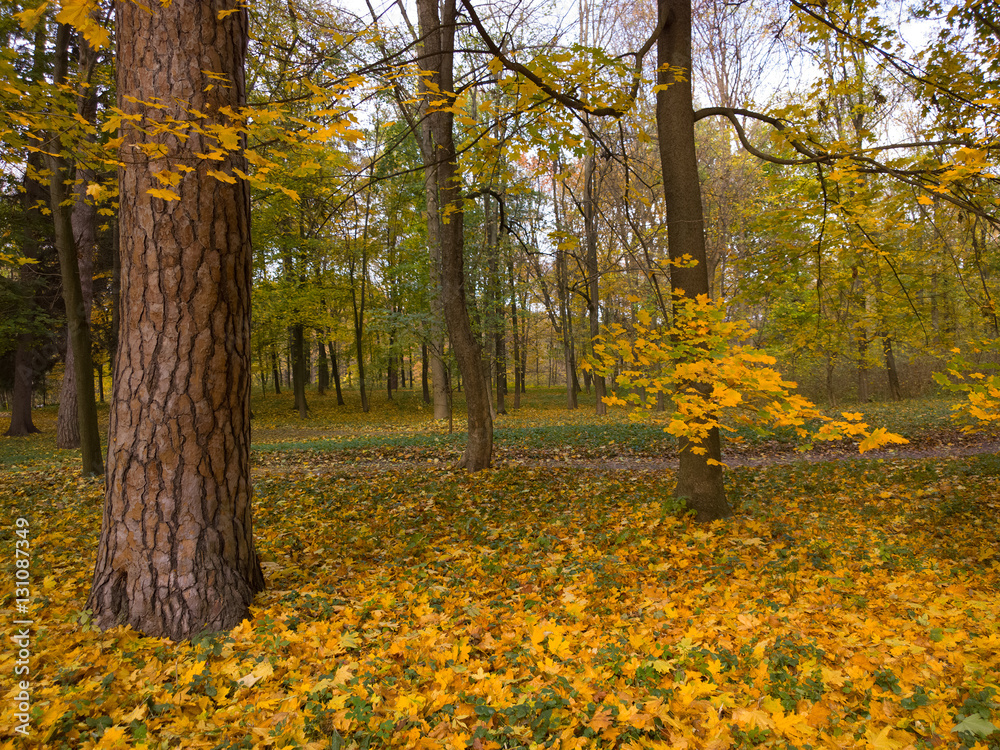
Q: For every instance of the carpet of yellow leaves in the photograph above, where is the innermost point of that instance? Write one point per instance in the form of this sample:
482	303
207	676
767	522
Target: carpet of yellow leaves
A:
845	606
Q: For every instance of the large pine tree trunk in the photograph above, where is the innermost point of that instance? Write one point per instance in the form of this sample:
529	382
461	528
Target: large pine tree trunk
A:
176	554
698	480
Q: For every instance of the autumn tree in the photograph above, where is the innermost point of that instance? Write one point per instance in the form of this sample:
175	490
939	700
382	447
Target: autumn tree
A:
437	31
176	553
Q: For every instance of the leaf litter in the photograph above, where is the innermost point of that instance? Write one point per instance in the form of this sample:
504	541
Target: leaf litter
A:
849	604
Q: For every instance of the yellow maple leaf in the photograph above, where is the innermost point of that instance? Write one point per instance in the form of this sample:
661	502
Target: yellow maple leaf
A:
112	737
167	195
221	176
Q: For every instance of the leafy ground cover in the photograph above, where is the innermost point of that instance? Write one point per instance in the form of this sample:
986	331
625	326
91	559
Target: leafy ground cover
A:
847	604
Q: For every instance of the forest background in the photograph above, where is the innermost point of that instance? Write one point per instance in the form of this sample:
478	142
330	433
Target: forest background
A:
467	208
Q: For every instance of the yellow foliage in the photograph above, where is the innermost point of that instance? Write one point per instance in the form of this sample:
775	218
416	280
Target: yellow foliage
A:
711	380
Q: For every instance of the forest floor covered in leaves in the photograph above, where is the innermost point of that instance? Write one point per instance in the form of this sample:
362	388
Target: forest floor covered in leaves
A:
558	600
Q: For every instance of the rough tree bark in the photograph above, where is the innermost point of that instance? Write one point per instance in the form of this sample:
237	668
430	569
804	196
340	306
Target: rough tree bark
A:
438	34
176	554
698	480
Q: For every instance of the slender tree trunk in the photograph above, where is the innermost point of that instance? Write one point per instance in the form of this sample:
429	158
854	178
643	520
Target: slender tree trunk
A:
323	376
21	423
892	374
359	329
277	370
524	357
699	478
299	369
176	554
564	326
77	316
518	373
336	373
593	277
424	384
438	34
83	219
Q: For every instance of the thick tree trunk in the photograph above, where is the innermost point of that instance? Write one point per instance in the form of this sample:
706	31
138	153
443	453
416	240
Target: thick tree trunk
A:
438	34
176	554
67	420
21	423
699	478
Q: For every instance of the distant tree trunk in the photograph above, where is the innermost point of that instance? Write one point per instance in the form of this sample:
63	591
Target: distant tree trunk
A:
831	391
176	554
438	35
21	423
33	195
336	373
564	326
593	277
424	384
895	392
518	373
323	376
699	477
524	357
359	328
864	394
494	327
299	369
85	432
276	369
391	378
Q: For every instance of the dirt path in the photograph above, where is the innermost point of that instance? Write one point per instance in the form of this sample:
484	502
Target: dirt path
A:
940	446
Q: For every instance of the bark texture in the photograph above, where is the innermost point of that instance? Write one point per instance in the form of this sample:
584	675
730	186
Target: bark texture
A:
438	33
21	423
176	555
698	481
83	219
